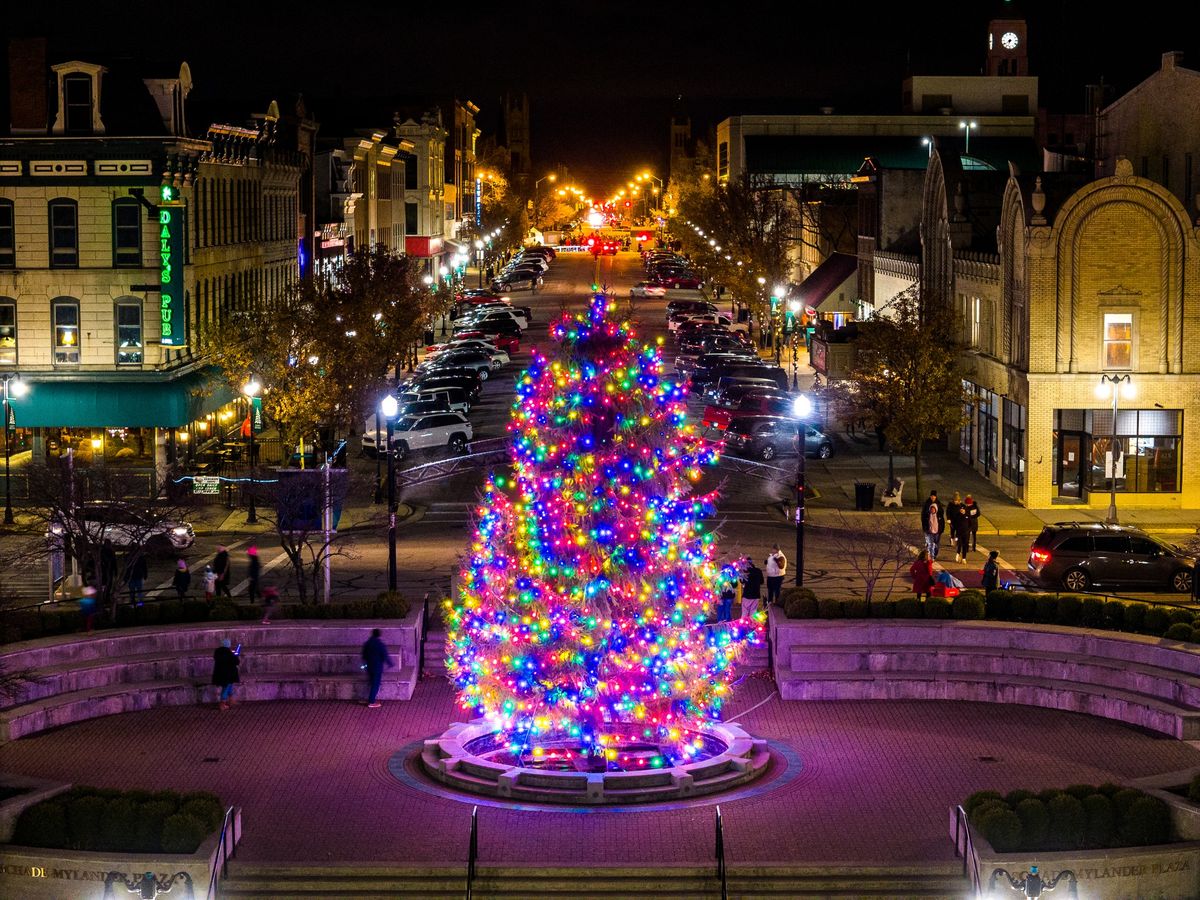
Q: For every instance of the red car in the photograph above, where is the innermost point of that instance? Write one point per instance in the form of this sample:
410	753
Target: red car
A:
509	343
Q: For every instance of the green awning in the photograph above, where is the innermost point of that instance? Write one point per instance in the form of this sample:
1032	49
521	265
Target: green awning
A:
110	401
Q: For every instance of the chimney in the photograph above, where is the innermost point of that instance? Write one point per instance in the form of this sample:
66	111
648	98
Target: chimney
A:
1172	59
27	82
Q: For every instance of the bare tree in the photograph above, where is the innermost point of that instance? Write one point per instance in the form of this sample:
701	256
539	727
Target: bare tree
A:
879	555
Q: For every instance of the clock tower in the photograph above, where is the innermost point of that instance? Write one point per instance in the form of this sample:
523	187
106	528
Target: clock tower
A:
1007	52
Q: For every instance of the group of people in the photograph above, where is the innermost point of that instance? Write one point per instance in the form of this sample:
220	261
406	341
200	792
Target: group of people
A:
750	578
227	660
218	576
961	514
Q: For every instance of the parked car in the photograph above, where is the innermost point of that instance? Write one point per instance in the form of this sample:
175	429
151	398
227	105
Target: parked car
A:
1077	556
447	378
482	363
508	340
644	290
456	399
126	526
433	351
689	306
766	437
514	282
427	432
678	319
493	315
437	403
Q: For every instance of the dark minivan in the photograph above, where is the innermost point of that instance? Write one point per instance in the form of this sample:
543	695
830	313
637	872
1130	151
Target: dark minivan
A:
702	378
1077	556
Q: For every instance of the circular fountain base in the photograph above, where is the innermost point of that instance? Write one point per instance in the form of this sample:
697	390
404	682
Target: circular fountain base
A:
474	758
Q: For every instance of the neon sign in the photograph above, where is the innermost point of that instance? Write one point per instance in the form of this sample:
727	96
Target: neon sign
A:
170	245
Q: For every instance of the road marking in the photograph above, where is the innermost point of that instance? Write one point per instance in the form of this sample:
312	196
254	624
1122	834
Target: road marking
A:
267	566
170	582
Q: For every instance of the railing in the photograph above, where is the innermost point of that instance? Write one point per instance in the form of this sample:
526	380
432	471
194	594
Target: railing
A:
424	631
472	850
962	839
223	856
721	870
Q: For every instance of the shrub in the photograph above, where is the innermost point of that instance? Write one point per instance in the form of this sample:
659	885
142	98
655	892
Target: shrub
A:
1108	789
222	612
170	612
1135	616
1035	822
149	614
999	604
1194	789
785	596
1068	822
1012	798
855	609
83	821
1123	799
983	809
1182	617
1023	607
1179	632
1046	608
182	834
1101	821
1147	822
882	609
195	611
151	815
1114	615
172	797
1070	609
359	609
1079	791
1049	794
1093	612
41	825
801	608
1002	828
937	608
118	824
828	608
978	798
1158	620
969	605
390	605
205	807
910	608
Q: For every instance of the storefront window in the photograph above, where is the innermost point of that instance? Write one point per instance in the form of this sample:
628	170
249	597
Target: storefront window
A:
1013	458
966	434
988	429
1147	452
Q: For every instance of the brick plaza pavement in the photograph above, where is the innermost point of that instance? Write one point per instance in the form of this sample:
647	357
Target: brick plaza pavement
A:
877	779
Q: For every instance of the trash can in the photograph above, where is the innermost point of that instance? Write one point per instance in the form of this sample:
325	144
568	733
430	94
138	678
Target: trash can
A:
864	495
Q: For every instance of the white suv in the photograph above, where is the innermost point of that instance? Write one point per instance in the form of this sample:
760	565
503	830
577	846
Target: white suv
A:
447	429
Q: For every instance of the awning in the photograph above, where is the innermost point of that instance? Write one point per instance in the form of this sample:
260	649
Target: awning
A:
112	401
449	246
832	285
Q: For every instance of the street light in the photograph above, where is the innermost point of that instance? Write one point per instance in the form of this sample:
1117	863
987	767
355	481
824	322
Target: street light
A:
389	407
1118	386
13	387
794	308
928	142
479	259
801	408
968	127
552	177
251	389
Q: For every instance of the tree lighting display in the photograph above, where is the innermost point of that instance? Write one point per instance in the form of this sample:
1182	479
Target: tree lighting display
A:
580	629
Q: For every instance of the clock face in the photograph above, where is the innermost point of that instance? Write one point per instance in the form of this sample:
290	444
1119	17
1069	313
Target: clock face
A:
1009	40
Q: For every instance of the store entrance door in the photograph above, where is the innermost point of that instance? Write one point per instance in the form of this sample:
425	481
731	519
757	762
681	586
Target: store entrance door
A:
1072	459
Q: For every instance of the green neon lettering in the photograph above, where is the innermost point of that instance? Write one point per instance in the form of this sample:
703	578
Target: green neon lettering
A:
164	216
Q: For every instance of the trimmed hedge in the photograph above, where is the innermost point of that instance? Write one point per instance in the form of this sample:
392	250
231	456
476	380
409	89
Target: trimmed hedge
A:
1081	817
100	819
24	625
1174	623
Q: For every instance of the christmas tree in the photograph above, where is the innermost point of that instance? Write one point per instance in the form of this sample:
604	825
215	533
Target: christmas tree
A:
580	620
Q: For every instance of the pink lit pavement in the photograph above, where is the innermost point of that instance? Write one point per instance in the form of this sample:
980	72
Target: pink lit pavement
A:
875	783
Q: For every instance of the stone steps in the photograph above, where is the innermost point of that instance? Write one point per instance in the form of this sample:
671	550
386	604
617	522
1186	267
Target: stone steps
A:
583	882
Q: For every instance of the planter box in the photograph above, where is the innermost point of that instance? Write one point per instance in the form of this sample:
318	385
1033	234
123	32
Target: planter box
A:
36	790
35	873
1164	872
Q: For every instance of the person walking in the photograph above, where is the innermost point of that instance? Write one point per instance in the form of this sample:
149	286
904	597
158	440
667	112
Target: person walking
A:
956	519
922	575
209	578
182	580
221	566
971	514
108	572
225	671
776	569
253	572
135	577
375	657
752	582
991	572
270	598
933	523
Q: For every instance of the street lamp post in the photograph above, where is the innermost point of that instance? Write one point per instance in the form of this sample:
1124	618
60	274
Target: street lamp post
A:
479	259
794	308
389	407
1118	386
13	387
968	127
802	409
251	389
552	177
776	327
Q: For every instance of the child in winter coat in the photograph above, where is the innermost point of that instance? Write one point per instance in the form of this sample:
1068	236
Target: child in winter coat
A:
183	578
922	575
210	584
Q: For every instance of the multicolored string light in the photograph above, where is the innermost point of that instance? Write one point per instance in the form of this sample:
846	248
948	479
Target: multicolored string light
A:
583	600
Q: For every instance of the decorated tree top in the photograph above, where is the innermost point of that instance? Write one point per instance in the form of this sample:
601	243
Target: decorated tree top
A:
591	575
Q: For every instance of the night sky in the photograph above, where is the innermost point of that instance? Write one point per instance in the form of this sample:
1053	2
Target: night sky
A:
603	77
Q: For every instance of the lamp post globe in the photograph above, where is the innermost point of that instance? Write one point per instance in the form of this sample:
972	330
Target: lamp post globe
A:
251	389
389	407
13	387
802	408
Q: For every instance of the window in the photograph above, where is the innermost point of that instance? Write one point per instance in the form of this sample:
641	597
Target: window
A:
932	103
1080	543
65	312
1118	340
8	236
1110	543
966	434
988	432
8	333
1014	104
77	98
723	159
64	234
1012	461
127	233
129	333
